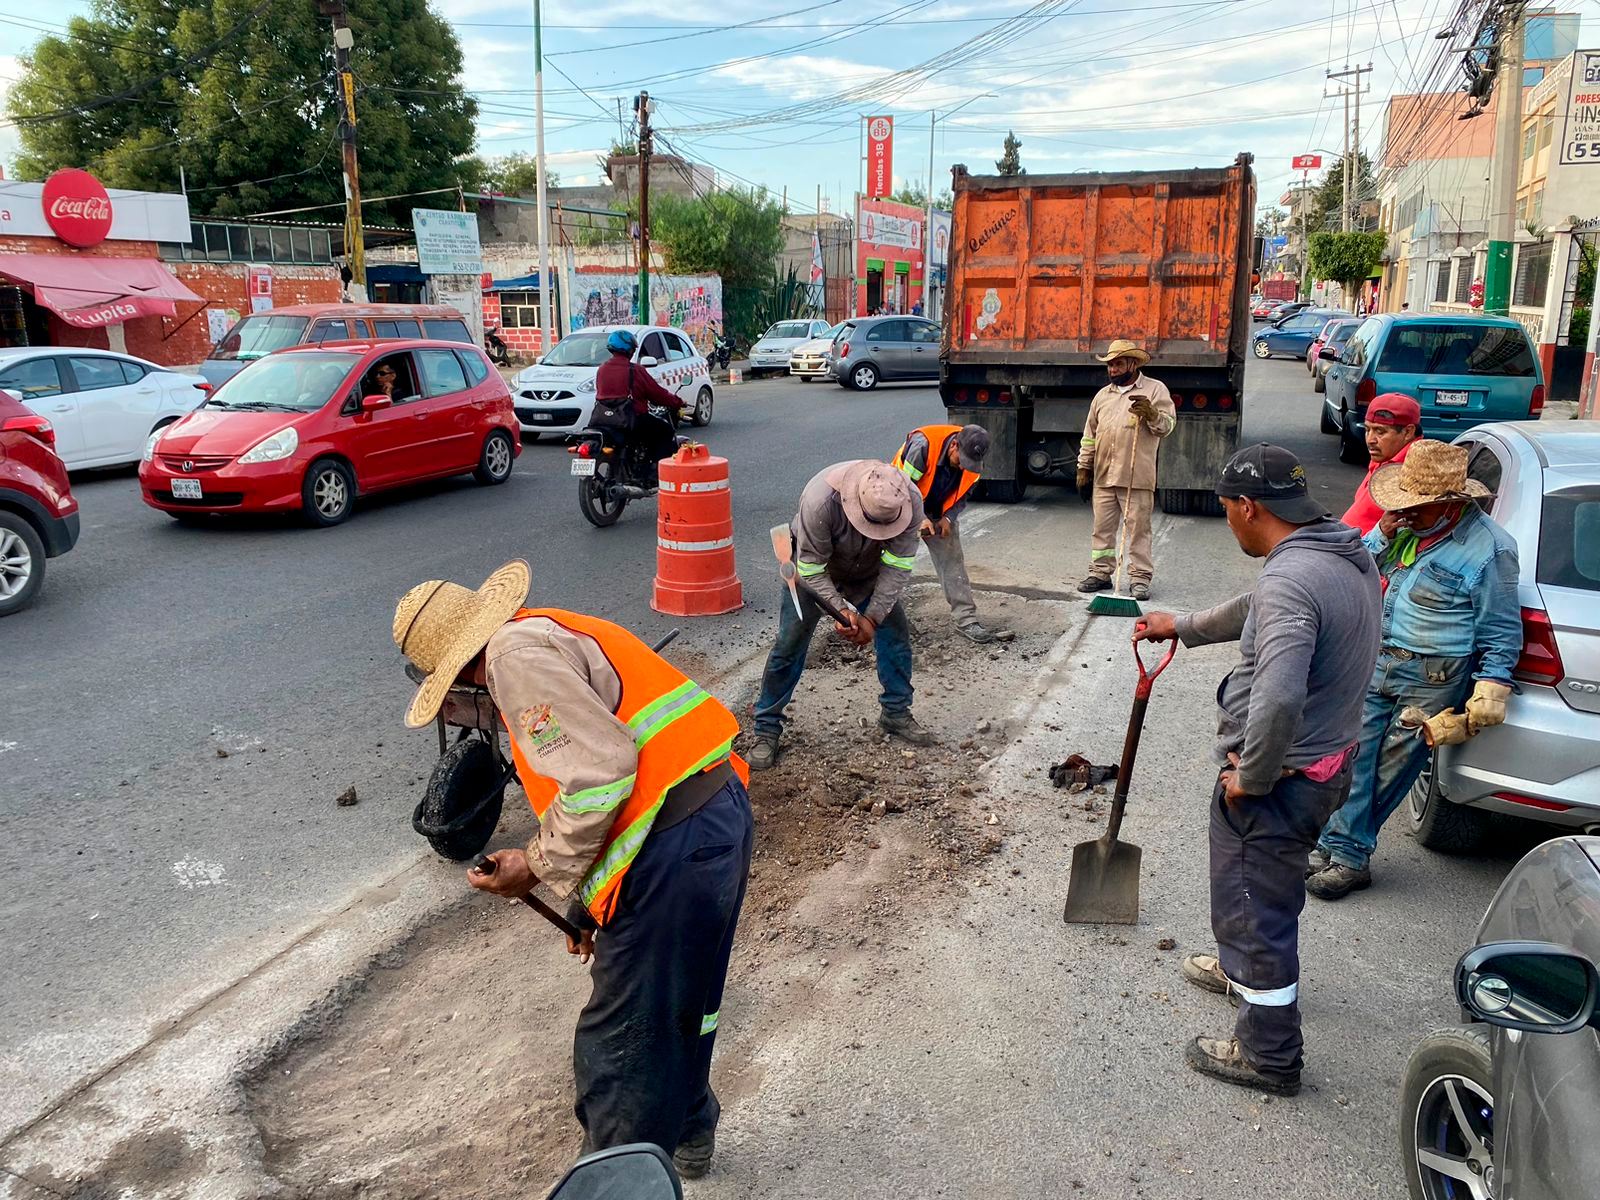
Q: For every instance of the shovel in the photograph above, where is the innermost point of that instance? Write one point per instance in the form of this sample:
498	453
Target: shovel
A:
1104	886
783	550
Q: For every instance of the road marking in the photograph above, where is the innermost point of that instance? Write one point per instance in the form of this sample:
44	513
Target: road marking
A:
192	873
4	746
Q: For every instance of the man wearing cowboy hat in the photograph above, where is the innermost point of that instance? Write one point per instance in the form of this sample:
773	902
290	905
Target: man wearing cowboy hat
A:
855	543
1117	466
1451	627
629	767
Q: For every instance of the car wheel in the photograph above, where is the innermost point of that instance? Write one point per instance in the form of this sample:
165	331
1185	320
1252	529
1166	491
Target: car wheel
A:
21	563
864	377
1328	424
494	464
458	813
1437	823
328	495
1447	1116
702	407
1261	350
1319	385
1351	450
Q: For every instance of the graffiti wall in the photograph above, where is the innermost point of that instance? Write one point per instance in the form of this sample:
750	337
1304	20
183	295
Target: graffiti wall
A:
692	303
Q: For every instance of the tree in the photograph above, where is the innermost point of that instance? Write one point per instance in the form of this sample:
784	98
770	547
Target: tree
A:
515	174
916	195
737	234
1329	196
1270	222
1346	258
241	95
1010	160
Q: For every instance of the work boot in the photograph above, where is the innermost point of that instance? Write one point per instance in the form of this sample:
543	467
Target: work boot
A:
1336	881
1204	971
975	632
1222	1059
1095	583
693	1155
905	727
1139	590
1316	861
763	754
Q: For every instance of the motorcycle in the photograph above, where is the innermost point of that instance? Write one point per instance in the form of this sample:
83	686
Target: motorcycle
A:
612	469
721	351
494	346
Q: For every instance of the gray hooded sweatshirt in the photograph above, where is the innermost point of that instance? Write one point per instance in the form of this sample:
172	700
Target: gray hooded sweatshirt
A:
1308	637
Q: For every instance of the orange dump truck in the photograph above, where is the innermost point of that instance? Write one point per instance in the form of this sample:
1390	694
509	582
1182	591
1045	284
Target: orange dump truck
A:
1046	270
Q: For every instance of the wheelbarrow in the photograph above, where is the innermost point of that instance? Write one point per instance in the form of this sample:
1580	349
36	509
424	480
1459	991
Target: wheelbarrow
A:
460	807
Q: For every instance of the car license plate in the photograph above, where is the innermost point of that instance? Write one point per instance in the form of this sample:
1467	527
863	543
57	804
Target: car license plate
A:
186	489
583	466
1450	399
545	417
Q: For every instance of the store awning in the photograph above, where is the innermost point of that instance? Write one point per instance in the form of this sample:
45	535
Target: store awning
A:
92	293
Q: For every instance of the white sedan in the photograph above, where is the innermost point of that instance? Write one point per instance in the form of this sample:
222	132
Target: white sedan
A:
557	393
104	405
773	348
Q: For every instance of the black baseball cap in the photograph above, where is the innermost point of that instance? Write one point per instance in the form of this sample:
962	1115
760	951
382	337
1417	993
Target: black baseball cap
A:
1274	478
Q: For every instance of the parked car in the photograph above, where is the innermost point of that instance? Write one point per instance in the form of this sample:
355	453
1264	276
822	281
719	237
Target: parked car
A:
1544	762
1463	371
556	394
1334	335
1261	307
773	348
811	360
1504	1106
313	427
869	349
102	405
260	334
1291	335
38	515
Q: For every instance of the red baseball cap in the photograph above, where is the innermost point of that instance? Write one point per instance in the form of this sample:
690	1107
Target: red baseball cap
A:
1396	409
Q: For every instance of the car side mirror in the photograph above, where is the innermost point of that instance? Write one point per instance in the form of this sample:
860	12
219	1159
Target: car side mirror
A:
1536	987
1329	353
640	1171
647	361
374	403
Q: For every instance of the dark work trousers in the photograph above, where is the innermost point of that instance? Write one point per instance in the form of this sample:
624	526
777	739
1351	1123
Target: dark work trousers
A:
642	1054
1258	861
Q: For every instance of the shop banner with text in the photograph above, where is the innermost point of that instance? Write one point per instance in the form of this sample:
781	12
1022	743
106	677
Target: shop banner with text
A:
880	157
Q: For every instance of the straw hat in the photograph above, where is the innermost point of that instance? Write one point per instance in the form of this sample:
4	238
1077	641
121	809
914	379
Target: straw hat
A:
1123	348
441	626
1432	473
879	501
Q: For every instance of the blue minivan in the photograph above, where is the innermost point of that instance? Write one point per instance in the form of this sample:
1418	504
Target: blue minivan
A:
1462	371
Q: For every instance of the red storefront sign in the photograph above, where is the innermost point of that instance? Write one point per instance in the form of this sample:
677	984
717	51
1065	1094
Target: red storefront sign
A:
1307	162
76	207
880	157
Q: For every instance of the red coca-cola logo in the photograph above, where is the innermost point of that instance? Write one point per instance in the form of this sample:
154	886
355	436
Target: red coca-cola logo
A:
76	207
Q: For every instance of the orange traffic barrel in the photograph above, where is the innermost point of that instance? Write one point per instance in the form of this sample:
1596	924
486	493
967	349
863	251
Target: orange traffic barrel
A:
695	575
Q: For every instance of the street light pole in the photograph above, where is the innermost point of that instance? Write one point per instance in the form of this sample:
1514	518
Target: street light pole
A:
546	331
1505	166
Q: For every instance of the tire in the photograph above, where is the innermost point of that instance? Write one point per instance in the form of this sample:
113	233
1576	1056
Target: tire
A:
494	462
703	403
1440	825
1319	384
455	797
592	502
1328	424
21	563
1350	450
1004	491
328	495
863	377
1458	1063
1260	350
1174	501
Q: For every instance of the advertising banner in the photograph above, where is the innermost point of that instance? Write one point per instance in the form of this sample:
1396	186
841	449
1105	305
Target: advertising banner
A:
939	243
1580	139
447	242
883	229
1307	162
880	157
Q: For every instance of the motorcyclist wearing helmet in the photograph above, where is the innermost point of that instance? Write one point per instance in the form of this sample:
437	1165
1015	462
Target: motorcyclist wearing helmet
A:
620	377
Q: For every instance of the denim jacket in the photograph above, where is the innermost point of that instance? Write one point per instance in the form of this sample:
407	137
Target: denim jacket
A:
1459	599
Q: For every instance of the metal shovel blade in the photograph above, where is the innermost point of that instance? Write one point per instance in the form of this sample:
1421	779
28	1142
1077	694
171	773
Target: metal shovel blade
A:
1104	886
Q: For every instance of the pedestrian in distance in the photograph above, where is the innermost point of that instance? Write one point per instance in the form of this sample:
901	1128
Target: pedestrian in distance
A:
916	309
1117	467
1394	423
1452	627
644	825
1287	720
855	544
956	455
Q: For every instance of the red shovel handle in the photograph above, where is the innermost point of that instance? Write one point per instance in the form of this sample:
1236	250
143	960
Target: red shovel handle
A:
1147	677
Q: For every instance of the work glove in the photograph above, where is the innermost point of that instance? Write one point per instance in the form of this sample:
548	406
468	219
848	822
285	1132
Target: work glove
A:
1085	484
1447	728
1143	409
1488	704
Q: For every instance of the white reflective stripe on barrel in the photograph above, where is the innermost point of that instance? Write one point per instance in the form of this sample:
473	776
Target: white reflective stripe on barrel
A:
719	544
713	485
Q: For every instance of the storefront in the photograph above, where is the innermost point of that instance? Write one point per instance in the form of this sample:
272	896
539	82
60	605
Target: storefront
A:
889	257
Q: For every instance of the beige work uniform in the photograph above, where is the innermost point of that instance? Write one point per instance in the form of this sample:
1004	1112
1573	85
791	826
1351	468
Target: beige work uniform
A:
1121	451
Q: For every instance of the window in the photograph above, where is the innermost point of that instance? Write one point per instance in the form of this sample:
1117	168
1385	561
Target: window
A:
1546	128
1360	344
328	331
321	246
239	243
1446	349
447	331
32	378
677	349
405	387
442	372
258	335
1569	540
519	310
887	331
653	348
789	329
132	372
1463	288
1485	467
1441	283
300	244
477	367
924	331
1530	137
389	330
96	373
282	246
261	245
1533	273
217	243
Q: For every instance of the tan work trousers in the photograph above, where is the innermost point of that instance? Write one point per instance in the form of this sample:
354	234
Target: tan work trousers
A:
1109	503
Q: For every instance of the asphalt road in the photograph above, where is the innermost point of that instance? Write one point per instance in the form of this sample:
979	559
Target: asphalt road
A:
185	705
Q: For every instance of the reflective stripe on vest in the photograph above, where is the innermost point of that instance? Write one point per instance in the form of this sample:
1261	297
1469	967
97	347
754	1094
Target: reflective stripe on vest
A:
679	729
938	437
1267	997
896	560
708	1023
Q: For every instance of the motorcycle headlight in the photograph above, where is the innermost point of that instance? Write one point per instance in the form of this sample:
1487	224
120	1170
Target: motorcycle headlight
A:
150	444
280	445
586	386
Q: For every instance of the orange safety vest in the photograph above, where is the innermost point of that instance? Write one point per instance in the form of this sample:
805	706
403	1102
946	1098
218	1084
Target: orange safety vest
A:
938	446
679	728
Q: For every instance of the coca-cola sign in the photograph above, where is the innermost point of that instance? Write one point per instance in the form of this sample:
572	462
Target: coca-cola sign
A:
76	207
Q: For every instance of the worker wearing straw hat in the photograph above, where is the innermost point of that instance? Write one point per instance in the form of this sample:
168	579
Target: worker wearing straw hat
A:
1452	628
1117	467
644	824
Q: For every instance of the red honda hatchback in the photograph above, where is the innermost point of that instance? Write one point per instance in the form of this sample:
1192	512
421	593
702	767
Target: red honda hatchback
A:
313	427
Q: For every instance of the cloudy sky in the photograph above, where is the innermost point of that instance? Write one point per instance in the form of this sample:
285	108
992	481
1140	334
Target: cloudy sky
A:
776	98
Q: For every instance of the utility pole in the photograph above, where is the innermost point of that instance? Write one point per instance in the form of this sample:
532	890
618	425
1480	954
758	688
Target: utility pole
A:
546	329
642	104
355	251
1506	163
927	229
1351	159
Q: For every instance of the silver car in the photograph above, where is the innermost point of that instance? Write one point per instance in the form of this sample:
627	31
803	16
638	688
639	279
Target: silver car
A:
772	349
1544	762
870	349
1507	1107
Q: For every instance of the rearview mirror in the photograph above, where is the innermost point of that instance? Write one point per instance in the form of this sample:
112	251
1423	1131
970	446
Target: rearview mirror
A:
1536	987
373	403
637	1172
647	361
